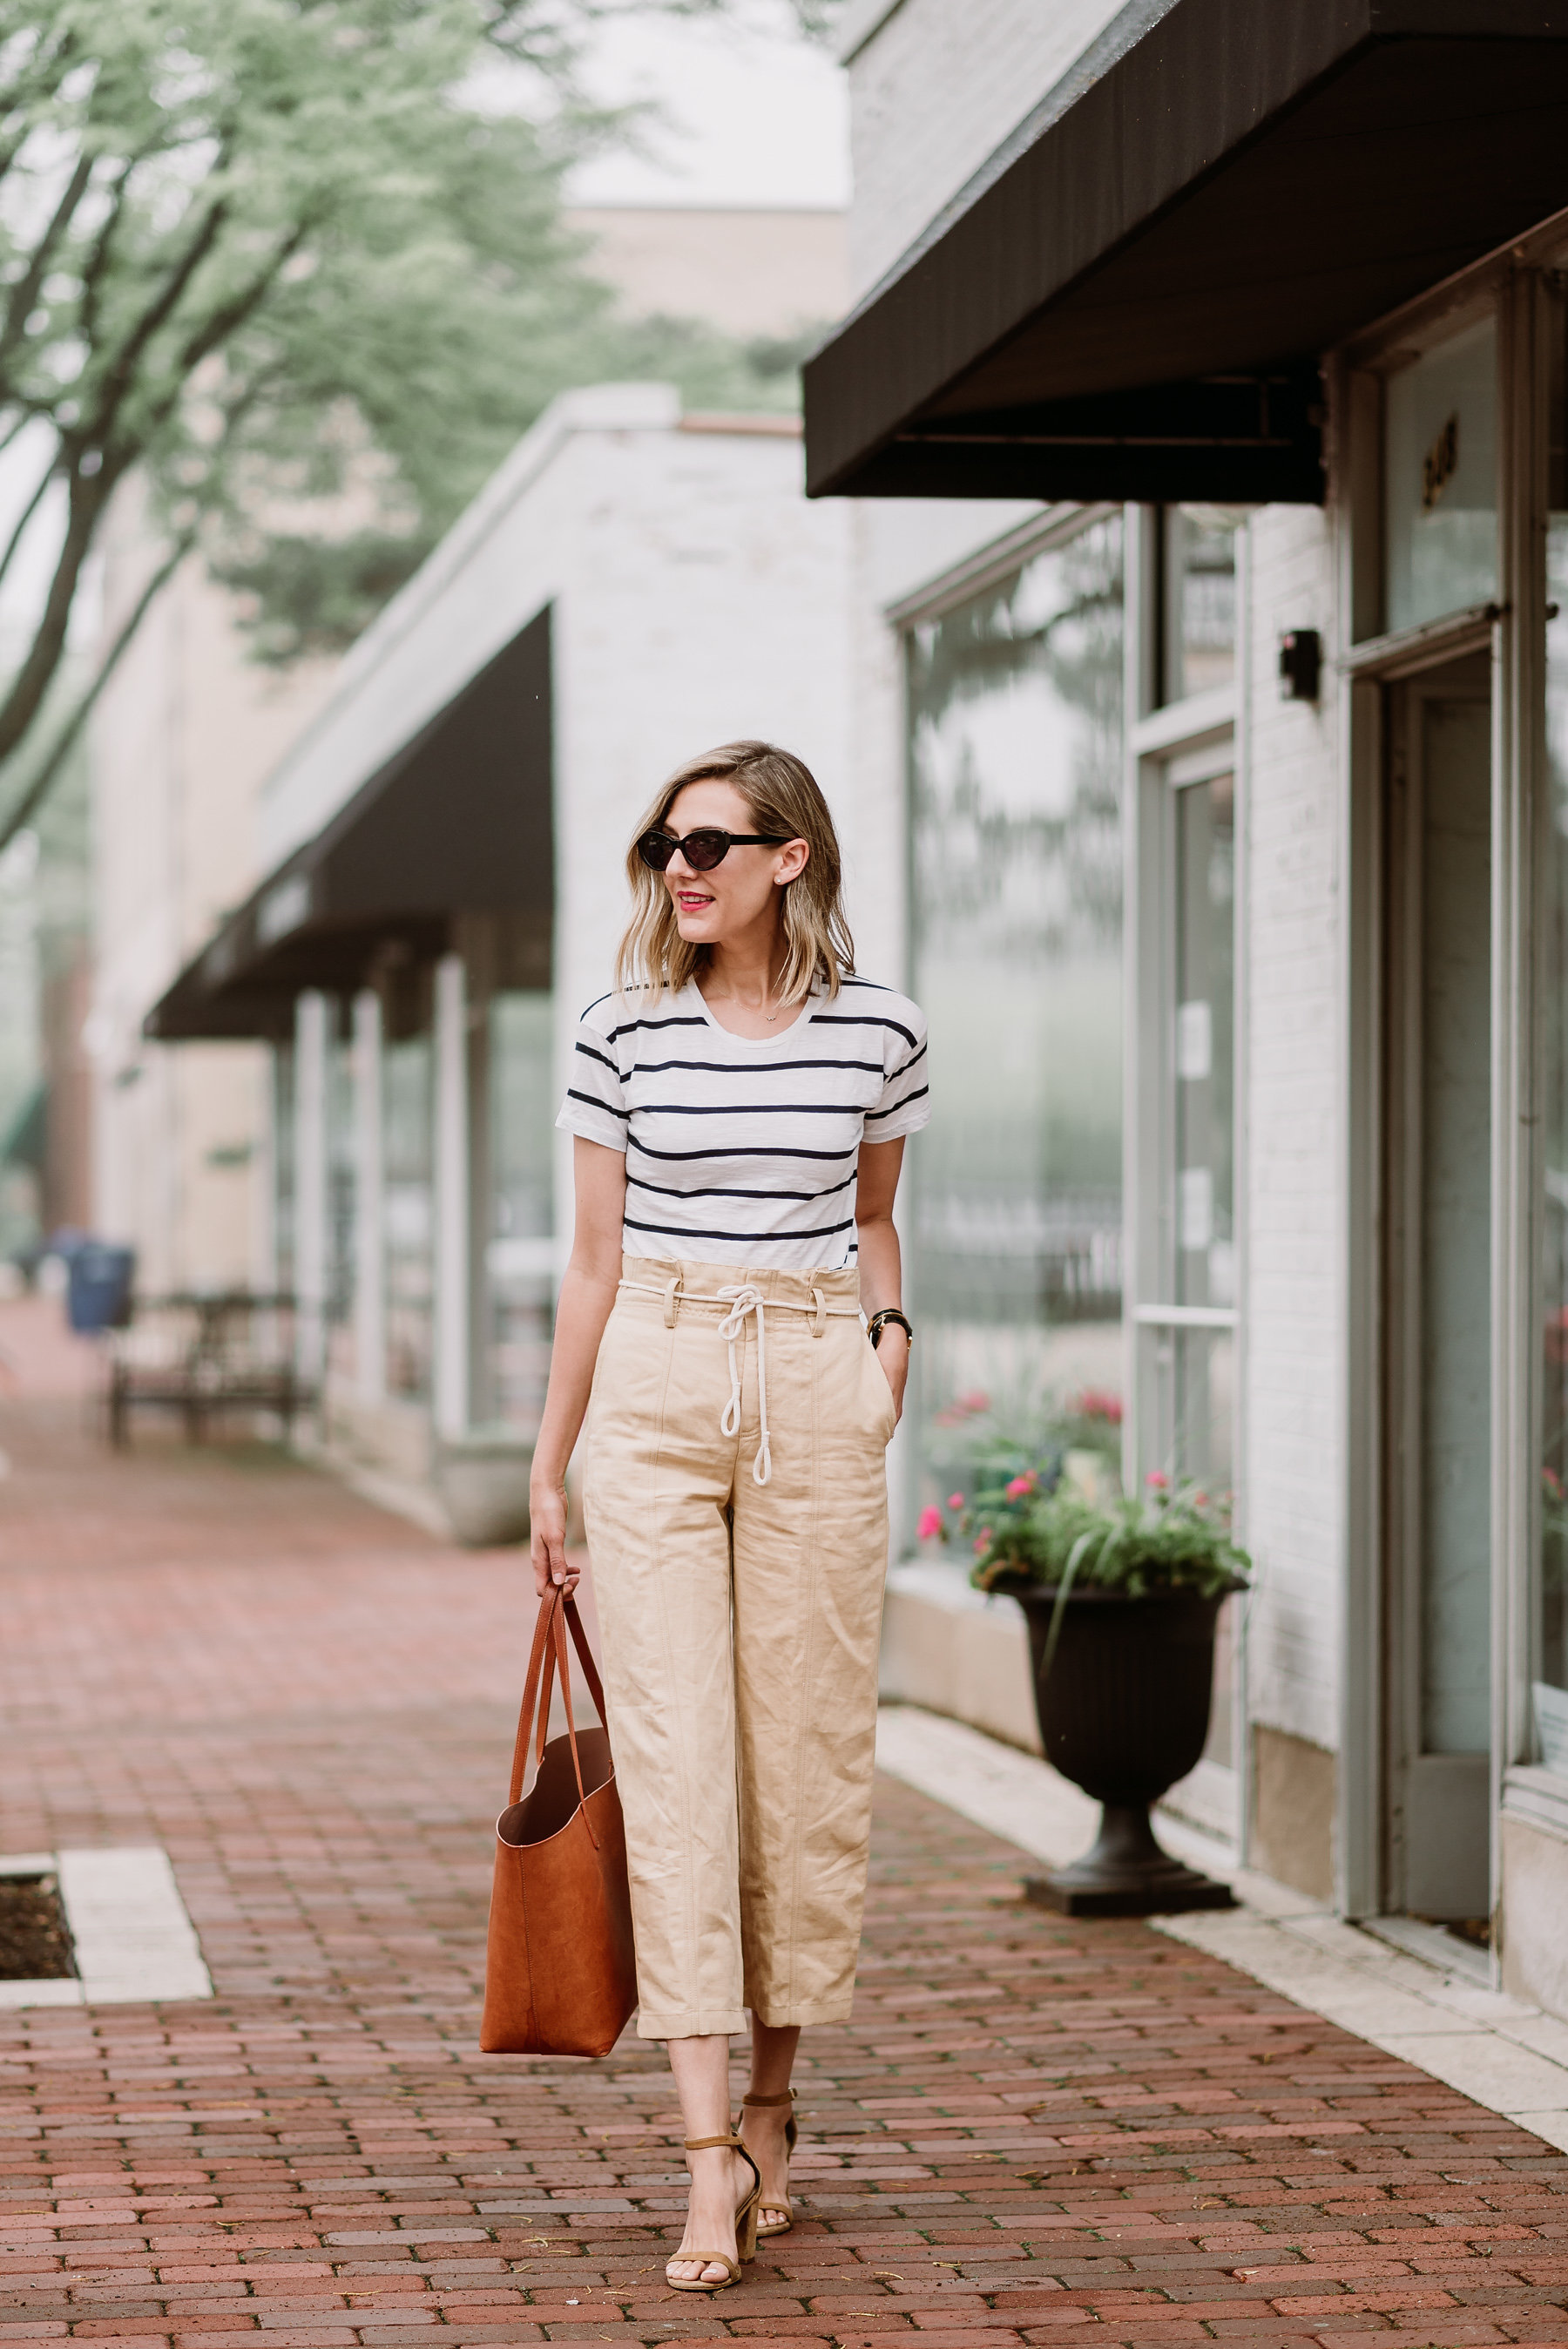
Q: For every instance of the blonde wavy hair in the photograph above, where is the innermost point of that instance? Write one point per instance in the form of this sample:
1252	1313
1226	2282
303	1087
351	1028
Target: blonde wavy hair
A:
781	795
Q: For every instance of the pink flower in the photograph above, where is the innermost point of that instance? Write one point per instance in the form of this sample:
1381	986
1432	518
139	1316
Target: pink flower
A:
1158	1478
1200	1500
976	1400
955	1500
982	1539
1097	1403
929	1523
1019	1486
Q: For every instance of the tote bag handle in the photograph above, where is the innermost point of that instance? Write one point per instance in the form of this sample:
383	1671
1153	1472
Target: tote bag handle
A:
548	1656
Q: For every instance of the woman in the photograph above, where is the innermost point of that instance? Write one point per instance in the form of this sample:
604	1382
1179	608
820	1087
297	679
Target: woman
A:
739	1104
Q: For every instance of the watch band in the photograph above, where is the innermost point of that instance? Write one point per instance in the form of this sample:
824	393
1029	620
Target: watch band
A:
879	1322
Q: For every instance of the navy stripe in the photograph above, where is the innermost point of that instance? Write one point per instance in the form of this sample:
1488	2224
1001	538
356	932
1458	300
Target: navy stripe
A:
919	1094
913	1062
593	1103
685	1020
753	1109
865	1019
751	1067
742	1150
681	1232
590	1054
712	1191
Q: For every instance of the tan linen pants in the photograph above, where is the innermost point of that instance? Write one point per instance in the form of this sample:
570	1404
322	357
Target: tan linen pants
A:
740	1625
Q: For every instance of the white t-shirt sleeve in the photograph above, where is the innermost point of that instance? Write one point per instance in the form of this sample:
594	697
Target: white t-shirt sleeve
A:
595	1104
904	1102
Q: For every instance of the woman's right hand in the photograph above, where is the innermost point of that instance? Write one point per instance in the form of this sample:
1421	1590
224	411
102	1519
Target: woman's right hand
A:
547	1519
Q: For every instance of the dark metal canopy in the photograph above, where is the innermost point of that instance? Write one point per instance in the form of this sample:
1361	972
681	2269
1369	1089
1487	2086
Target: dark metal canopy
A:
458	822
1132	298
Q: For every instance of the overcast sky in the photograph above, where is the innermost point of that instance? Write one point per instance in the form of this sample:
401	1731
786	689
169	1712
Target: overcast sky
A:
755	114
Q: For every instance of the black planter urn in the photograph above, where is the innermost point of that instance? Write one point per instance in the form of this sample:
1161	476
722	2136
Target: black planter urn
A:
1124	1713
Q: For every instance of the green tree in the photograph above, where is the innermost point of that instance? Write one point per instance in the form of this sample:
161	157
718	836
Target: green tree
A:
279	257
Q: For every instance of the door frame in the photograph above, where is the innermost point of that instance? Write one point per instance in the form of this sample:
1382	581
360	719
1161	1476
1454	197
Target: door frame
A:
1513	630
1416	1781
1166	746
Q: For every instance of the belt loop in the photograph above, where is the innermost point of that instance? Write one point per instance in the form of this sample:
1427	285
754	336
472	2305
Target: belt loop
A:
820	1321
671	1293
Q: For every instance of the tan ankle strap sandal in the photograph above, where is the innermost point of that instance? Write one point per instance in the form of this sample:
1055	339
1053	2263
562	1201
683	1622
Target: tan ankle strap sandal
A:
745	2228
778	2226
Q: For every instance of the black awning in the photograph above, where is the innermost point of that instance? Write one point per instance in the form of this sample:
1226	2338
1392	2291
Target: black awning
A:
458	822
1132	299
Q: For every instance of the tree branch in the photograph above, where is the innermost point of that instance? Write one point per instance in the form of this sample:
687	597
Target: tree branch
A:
65	741
23	518
24	292
89	496
35	81
96	260
117	380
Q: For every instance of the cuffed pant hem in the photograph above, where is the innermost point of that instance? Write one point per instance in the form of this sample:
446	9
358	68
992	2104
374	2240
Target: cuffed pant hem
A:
719	2022
802	2017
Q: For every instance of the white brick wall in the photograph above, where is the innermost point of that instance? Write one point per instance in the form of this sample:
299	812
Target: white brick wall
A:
1293	1147
933	89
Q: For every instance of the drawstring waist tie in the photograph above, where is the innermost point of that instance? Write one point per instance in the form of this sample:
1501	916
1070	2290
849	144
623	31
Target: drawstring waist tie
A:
744	1296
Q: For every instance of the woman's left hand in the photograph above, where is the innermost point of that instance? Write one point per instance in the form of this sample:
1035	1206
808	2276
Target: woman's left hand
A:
893	1357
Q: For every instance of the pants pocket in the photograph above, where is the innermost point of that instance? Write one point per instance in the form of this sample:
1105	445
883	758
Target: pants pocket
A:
884	1410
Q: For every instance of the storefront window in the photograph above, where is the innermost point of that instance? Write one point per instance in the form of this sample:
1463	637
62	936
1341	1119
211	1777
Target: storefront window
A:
1439	487
521	1254
282	1155
1550	1680
1204	1215
1197	596
408	1138
1015	750
340	1108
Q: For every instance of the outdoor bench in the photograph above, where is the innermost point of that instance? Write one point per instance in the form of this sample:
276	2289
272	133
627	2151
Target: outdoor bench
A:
202	1356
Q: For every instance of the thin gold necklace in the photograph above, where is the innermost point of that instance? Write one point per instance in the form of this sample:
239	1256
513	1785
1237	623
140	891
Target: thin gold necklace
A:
731	997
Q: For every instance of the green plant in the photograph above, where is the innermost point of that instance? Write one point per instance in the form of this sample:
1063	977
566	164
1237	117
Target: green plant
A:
1165	1538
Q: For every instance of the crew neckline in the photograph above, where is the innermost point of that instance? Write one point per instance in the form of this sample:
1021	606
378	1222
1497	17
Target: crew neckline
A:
757	1043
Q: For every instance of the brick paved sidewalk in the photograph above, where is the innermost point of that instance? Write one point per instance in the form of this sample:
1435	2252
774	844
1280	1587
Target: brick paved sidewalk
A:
1031	2132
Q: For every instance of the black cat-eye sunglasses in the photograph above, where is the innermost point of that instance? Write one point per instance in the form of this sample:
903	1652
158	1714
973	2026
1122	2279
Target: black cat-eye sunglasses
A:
703	848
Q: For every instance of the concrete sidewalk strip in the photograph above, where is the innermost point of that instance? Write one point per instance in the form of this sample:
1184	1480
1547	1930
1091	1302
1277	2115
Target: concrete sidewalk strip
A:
131	1930
133	1935
1501	2053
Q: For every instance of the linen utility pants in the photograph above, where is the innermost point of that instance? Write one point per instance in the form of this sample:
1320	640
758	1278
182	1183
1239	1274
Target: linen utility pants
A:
741	1624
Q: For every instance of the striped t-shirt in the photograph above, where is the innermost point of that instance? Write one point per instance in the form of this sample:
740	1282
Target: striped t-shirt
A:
742	1150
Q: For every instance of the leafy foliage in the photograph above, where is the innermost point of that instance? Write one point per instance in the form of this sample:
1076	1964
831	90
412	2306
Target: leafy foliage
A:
1165	1538
277	256
1032	1516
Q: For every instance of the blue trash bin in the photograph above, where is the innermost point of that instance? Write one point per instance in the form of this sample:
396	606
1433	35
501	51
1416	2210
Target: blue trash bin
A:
98	1293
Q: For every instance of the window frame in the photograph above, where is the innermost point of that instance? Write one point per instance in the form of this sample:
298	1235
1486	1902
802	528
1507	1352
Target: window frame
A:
1169	746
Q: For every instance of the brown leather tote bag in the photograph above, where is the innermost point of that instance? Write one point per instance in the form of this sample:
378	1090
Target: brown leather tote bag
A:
560	1977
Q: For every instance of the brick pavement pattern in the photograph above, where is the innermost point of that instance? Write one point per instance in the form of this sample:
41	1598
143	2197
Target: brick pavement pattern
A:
1032	2131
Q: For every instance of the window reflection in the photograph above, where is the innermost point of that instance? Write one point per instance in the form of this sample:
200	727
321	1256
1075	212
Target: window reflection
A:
1015	733
1552	1626
409	1141
1198	593
1440	480
1206	1022
340	1206
520	1258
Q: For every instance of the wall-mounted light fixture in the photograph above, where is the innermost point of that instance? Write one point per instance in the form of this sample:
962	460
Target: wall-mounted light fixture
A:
1300	665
